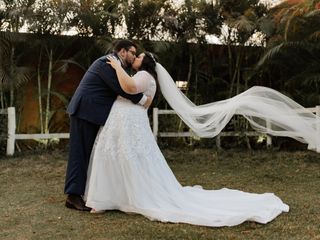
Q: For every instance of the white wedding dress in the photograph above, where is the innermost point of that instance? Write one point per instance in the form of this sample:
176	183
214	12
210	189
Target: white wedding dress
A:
128	172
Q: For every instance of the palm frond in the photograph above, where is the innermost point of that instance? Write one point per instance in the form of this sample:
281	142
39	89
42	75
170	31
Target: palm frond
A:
304	49
5	49
315	36
312	80
271	53
313	13
22	75
299	45
288	28
105	45
4	78
243	24
61	97
72	61
306	78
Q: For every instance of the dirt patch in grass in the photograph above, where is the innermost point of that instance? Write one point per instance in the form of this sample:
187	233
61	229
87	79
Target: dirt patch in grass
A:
32	199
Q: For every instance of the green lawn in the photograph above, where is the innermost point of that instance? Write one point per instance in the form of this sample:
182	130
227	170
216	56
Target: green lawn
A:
32	199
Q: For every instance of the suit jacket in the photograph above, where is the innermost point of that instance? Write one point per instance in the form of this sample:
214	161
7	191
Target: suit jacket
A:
96	93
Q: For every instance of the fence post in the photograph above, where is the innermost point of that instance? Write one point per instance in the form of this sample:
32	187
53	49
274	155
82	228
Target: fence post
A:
155	122
269	139
318	128
11	130
218	141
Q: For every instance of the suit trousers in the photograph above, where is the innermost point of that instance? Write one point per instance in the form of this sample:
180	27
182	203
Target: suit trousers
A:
82	138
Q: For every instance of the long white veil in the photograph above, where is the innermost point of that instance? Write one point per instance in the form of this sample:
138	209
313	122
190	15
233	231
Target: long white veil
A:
267	110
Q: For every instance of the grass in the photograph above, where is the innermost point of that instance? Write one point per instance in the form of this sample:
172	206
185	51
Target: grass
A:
32	199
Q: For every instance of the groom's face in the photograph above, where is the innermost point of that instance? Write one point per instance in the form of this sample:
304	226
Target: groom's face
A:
130	56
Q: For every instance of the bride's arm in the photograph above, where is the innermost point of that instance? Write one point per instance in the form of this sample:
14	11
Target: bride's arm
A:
127	83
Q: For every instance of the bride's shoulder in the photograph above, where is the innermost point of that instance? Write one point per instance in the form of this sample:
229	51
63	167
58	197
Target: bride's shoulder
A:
144	74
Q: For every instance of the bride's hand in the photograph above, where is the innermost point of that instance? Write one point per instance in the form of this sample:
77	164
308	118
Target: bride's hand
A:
113	61
148	102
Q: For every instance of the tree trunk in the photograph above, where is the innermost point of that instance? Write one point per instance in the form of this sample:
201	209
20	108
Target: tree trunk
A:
230	60
238	72
238	82
40	91
234	75
1	98
47	116
11	95
11	80
189	73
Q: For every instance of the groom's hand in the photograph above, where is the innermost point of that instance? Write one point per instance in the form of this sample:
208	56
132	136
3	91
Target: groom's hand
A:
148	102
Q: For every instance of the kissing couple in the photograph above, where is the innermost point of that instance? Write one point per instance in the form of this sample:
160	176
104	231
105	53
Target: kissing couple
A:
115	162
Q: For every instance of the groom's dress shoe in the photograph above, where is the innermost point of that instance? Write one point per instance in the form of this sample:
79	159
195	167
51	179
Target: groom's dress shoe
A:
76	202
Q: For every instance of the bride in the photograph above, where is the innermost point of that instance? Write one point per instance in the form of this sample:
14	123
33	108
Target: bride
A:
128	172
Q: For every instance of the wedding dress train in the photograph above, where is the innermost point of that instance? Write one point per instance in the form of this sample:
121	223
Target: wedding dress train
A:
128	172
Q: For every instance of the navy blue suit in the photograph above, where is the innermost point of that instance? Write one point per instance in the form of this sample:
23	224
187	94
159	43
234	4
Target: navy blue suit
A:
89	109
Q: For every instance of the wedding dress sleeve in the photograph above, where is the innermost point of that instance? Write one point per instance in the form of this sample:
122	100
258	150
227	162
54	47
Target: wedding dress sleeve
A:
141	80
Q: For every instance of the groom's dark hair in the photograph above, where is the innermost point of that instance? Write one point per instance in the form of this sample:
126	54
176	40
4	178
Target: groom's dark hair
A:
126	44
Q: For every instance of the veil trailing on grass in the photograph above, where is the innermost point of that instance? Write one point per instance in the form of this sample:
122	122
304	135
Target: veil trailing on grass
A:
267	110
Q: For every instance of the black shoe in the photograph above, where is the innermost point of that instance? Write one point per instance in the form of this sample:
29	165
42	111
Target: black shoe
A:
76	202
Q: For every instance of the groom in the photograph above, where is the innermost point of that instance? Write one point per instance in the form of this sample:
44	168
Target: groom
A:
88	110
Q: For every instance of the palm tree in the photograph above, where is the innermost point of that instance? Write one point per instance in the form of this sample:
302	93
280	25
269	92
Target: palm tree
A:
144	19
12	74
294	48
11	20
97	18
48	18
241	21
13	14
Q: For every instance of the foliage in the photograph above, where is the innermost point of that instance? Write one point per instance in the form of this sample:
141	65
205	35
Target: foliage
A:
97	18
50	17
192	21
290	64
143	19
13	14
12	74
294	48
242	19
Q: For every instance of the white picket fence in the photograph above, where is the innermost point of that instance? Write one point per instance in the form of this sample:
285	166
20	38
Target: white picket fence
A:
156	133
13	136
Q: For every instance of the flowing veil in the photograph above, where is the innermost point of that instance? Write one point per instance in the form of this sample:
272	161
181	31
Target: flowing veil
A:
267	110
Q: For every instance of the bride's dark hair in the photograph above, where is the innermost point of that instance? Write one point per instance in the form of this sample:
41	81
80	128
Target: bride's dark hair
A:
149	64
